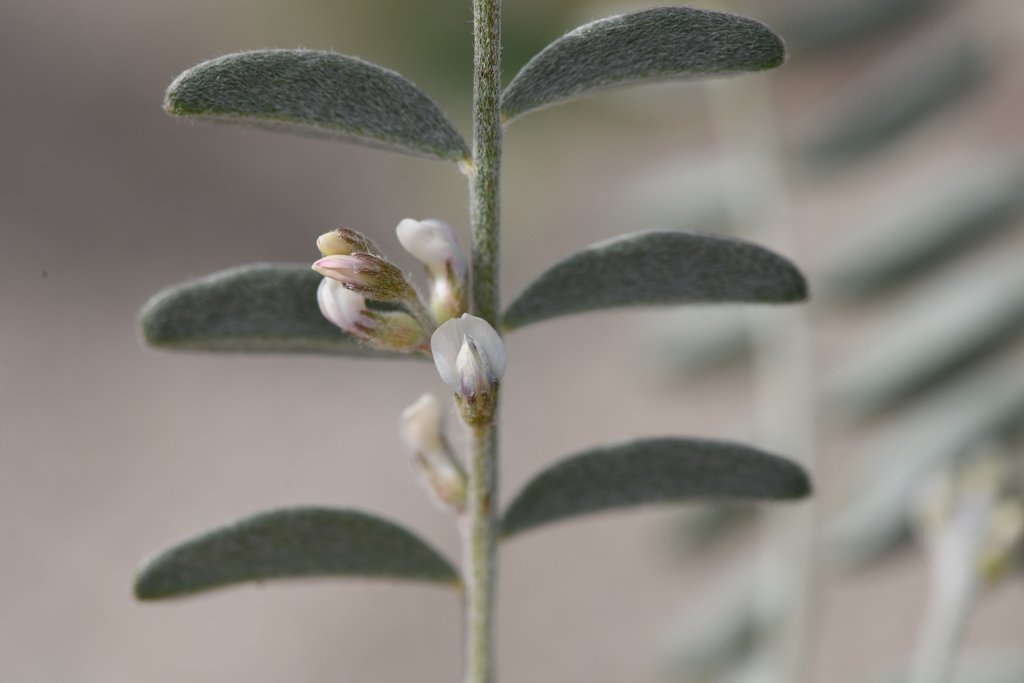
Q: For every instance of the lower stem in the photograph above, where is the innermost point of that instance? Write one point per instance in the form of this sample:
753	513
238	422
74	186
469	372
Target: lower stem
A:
479	548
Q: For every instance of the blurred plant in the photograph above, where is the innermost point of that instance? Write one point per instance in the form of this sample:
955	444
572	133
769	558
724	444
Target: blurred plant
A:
926	372
369	307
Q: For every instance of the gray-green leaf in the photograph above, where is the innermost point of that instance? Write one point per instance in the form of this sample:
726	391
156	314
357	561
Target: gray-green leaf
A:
259	307
658	268
665	470
294	542
318	93
660	43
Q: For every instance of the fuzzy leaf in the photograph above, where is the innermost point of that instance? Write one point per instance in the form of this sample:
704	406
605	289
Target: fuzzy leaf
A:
660	43
294	542
317	93
666	470
259	307
658	268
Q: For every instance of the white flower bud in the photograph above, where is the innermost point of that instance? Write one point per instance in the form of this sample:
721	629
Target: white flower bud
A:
436	245
470	357
487	360
440	471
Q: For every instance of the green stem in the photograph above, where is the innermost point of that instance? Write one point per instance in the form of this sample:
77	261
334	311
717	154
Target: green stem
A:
480	525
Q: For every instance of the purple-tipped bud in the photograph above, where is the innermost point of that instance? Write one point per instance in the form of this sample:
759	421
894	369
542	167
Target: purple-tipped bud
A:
368	275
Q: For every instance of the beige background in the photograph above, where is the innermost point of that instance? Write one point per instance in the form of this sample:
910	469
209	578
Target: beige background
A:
109	451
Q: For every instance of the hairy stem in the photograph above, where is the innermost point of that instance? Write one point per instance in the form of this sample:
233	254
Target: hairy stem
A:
479	552
486	171
481	523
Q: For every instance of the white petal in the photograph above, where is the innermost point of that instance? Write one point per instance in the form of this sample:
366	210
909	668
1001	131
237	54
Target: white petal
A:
447	341
434	243
341	306
488	340
445	344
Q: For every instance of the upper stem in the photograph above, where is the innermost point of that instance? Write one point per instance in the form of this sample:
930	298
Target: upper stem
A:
486	172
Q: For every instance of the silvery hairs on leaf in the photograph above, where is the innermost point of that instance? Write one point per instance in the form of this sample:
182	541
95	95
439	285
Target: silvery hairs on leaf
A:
318	93
294	542
260	307
658	268
660	43
662	470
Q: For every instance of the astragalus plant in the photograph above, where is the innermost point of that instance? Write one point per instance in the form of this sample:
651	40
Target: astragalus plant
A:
355	302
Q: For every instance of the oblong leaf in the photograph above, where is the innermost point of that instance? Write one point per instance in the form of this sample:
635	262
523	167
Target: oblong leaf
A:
318	93
658	268
659	43
665	470
288	543
261	307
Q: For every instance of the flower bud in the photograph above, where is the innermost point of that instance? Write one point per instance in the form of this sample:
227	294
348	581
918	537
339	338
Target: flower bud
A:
470	357
389	330
436	245
368	275
440	471
344	241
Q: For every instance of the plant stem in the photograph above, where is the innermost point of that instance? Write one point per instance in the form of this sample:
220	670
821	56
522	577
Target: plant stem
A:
481	523
486	172
479	554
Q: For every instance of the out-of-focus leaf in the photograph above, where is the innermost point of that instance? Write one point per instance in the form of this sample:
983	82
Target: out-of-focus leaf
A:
260	307
666	470
974	667
317	93
984	408
294	542
716	633
815	25
659	43
688	341
954	325
658	268
893	95
937	215
699	526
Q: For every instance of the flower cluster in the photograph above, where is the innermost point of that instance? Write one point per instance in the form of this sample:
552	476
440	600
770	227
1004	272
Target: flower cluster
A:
468	352
356	271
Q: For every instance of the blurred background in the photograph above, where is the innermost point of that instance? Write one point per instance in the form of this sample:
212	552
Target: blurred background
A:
885	158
